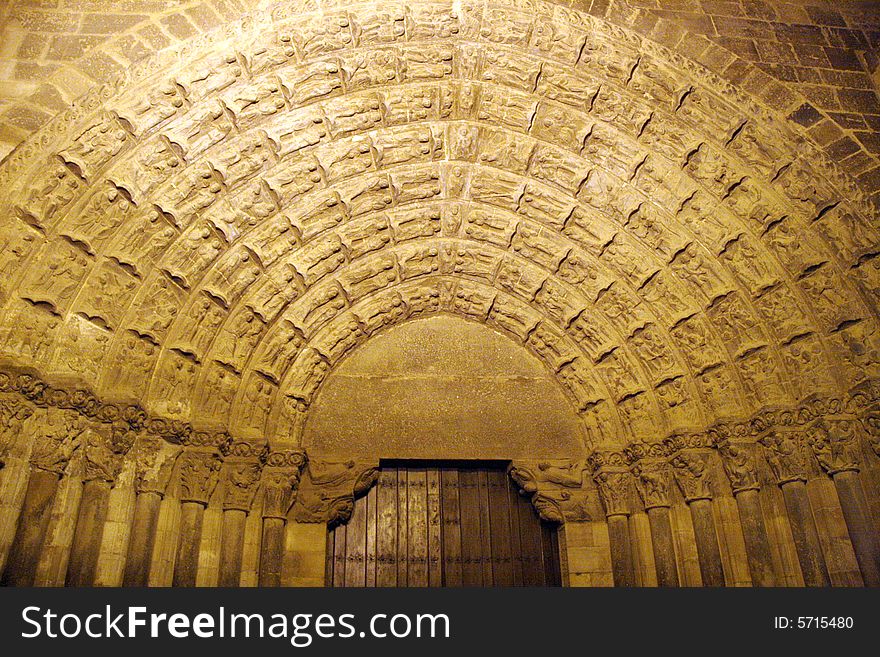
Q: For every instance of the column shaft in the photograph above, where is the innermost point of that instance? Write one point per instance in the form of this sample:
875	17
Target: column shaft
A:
231	546
622	565
862	534
805	534
664	550
87	534
271	552
142	540
708	552
30	534
186	565
755	535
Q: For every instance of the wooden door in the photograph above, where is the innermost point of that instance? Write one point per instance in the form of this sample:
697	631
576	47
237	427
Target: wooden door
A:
425	524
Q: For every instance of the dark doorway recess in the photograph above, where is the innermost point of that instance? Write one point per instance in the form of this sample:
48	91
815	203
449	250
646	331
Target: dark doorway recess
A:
447	523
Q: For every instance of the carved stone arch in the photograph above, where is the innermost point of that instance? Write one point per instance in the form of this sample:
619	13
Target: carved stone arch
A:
218	126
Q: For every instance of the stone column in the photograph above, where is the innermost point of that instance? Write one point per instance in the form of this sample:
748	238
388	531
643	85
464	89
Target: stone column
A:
14	454
280	485
652	483
56	438
154	460
240	478
198	473
103	451
786	458
739	465
692	477
836	448
614	486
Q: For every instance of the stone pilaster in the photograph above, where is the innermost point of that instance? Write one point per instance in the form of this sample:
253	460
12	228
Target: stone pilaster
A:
102	453
835	444
652	483
154	460
741	469
281	481
240	476
615	487
198	475
693	478
785	454
57	436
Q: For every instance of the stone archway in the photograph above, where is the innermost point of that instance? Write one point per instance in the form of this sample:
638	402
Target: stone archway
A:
209	238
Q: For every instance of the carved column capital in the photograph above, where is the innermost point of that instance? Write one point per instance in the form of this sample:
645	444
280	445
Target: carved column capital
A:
13	414
652	482
614	488
330	487
740	466
58	434
556	488
154	460
240	478
785	454
871	425
835	444
103	449
199	473
691	475
282	474
280	488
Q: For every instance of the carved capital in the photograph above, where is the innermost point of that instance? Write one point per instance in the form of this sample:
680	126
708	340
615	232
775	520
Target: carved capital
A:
280	488
555	488
785	455
58	434
740	466
871	425
154	461
652	482
240	477
13	414
835	444
199	473
691	475
614	489
330	487
103	451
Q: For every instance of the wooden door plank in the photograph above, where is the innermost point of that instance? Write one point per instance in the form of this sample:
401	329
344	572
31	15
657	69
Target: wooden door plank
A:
515	535
486	562
499	524
471	543
402	529
386	528
451	527
370	501
339	536
417	513
330	556
530	537
355	546
435	570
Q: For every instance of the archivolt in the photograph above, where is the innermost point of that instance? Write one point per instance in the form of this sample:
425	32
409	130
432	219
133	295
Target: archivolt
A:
222	231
